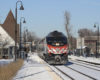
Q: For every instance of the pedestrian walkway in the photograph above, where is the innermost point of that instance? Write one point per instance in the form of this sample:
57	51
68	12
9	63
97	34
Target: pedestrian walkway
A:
35	69
89	59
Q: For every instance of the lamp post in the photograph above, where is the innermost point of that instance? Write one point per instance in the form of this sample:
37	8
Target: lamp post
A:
21	8
98	37
25	35
81	40
71	42
20	35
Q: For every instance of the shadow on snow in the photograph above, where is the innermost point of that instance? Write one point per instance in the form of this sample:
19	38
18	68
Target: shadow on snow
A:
29	75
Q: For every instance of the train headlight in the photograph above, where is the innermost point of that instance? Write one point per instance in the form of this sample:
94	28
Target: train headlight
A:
57	44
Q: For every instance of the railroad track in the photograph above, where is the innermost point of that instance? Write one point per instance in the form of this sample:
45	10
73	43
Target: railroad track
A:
86	63
69	76
81	73
75	71
84	66
64	73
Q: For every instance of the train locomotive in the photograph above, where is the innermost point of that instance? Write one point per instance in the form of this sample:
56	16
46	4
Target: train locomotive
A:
53	48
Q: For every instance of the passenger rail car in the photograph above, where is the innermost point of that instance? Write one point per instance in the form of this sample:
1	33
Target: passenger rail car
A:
53	48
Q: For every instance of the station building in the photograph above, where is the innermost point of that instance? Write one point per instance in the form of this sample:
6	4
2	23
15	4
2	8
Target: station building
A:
7	34
91	42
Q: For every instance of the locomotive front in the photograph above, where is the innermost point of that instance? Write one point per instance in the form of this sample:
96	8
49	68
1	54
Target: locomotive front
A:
57	48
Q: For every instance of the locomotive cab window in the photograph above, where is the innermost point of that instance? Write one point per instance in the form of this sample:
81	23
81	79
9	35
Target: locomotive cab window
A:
49	39
54	39
57	41
64	39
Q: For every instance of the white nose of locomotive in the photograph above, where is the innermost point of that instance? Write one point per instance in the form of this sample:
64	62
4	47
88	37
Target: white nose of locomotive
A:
57	58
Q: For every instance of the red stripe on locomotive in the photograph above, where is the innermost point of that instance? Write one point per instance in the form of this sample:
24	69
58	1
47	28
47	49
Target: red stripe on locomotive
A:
56	49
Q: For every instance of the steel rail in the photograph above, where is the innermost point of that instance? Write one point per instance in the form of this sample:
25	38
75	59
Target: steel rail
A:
64	73
81	73
86	66
87	63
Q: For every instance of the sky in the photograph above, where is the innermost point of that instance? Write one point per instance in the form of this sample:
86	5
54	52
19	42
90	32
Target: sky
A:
45	16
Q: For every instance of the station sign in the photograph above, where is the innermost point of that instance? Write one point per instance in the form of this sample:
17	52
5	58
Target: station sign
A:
90	41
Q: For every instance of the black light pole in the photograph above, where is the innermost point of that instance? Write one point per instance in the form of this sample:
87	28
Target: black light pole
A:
21	8
81	40
25	35
98	37
20	35
71	42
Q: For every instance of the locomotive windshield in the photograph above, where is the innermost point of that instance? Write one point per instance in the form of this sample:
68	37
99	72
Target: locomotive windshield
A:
57	41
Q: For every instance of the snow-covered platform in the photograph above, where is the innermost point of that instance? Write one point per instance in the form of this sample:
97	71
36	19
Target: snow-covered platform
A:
88	59
35	69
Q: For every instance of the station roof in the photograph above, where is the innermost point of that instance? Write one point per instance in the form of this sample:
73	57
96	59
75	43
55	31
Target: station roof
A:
9	26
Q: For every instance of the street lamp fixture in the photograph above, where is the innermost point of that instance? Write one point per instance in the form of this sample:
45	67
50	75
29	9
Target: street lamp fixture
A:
21	8
98	37
24	21
20	35
94	25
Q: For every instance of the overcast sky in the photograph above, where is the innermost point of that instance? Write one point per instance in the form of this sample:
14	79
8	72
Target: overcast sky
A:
44	16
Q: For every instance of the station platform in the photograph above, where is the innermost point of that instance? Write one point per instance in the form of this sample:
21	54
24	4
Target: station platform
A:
35	68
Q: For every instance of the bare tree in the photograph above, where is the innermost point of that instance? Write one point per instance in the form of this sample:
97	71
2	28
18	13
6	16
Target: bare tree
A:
87	32
68	27
30	37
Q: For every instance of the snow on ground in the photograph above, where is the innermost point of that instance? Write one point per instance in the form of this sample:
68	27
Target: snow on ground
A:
32	69
5	61
90	59
21	73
